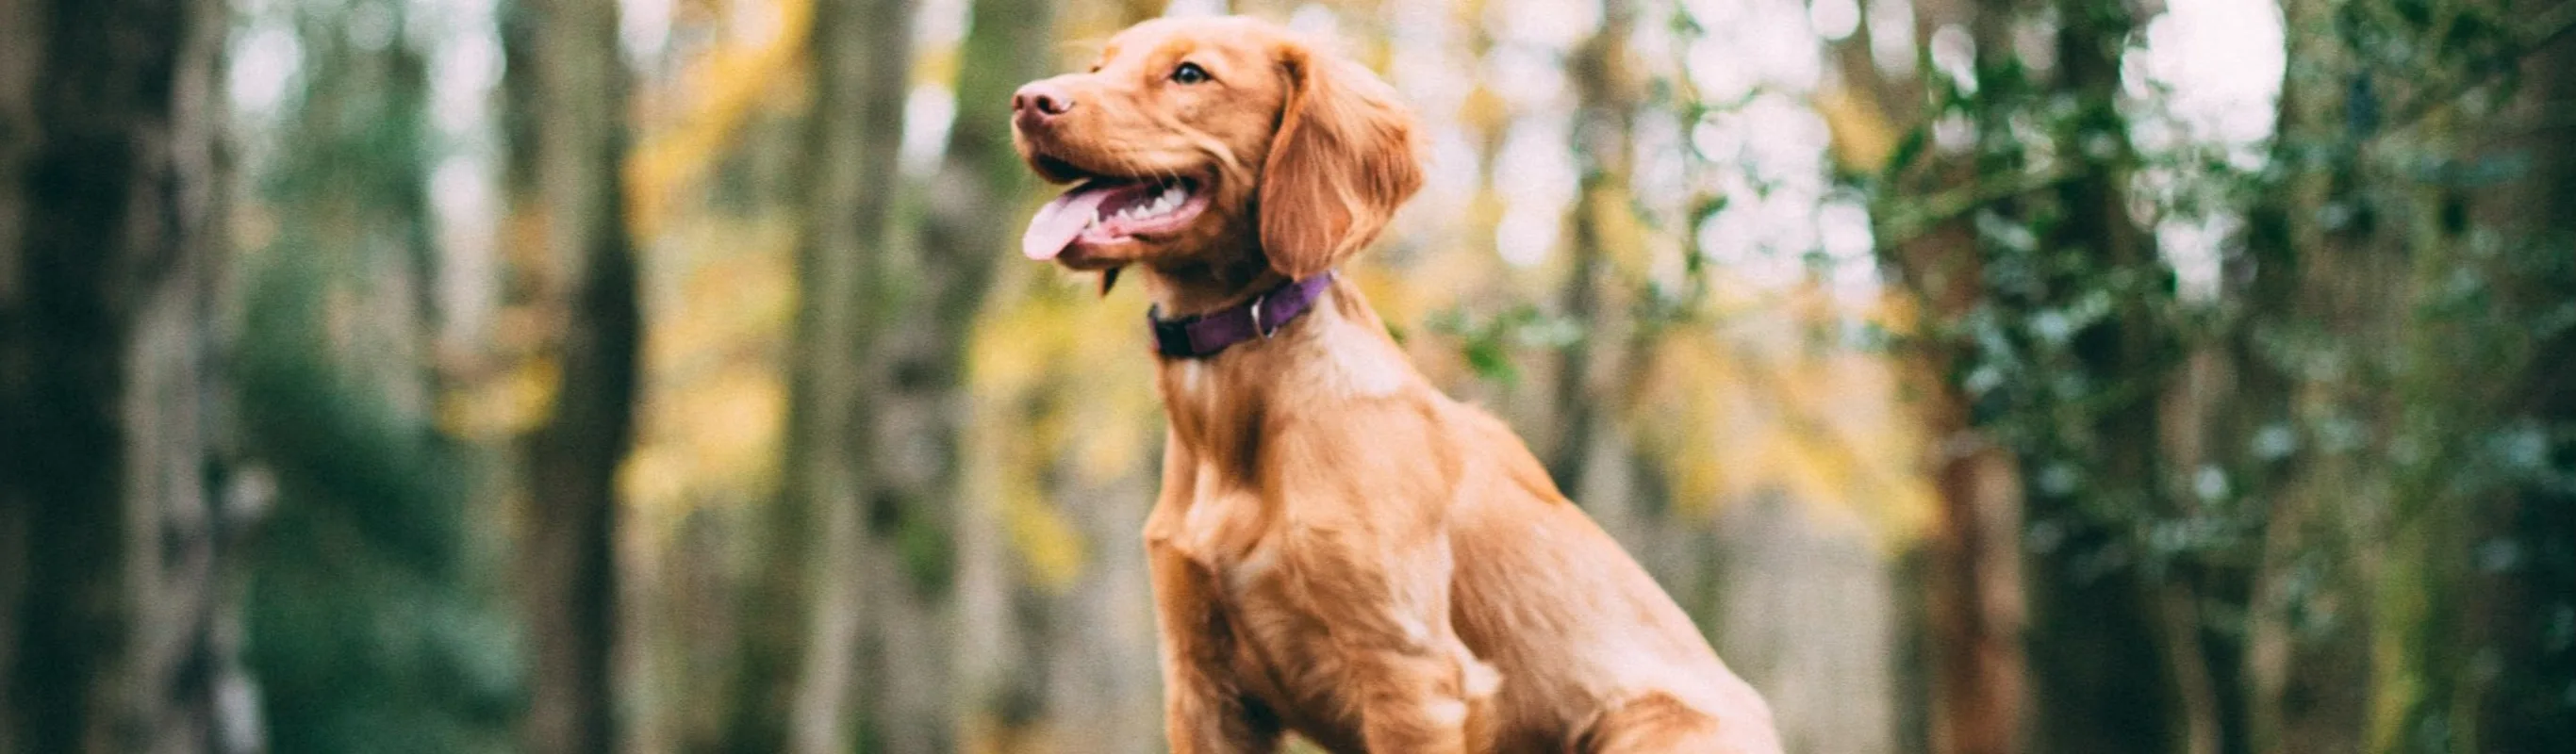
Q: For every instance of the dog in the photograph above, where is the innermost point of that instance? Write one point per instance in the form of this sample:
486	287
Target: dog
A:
1339	550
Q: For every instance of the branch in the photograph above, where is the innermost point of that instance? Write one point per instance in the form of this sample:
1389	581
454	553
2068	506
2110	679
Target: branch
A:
1950	205
2547	28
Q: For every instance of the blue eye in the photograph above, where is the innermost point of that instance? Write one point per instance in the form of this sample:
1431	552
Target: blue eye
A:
1189	73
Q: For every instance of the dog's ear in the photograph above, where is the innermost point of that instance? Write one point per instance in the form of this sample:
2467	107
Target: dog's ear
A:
1343	159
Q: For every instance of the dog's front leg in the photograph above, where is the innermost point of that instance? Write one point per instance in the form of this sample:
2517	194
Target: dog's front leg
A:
1204	710
1419	688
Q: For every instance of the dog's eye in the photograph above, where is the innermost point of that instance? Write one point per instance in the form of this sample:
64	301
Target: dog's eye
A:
1189	73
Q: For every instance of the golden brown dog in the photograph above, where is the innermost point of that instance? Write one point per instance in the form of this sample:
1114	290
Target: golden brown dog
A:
1339	550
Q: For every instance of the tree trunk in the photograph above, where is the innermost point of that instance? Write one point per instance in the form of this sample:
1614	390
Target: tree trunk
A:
1604	96
1973	608
2308	636
2104	668
918	301
961	241
799	604
2524	608
114	521
861	52
578	146
2474	599
1973	611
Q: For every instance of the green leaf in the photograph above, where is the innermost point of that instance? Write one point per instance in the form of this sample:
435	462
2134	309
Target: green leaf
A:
1908	149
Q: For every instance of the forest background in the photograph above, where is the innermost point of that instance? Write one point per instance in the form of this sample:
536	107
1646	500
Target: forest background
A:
1985	376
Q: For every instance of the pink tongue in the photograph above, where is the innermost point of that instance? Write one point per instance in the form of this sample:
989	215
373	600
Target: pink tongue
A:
1061	221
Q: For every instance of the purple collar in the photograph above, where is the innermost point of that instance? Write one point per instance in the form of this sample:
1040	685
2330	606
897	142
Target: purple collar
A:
1200	336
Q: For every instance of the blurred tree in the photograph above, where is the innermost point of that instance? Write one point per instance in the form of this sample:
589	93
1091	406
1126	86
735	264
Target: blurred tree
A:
2526	608
1604	114
2478	441
792	678
931	326
1973	607
2084	312
2317	332
119	494
568	89
2049	316
877	565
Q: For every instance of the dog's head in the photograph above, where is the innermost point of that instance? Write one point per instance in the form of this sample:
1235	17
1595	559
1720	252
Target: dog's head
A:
1194	139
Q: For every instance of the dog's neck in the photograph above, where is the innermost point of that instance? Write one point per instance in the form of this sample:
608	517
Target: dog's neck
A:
1338	351
1199	287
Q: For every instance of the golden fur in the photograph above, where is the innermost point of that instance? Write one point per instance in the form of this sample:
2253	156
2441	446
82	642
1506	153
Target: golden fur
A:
1339	549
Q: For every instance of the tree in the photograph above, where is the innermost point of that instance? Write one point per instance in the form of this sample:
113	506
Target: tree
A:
1974	610
118	501
2307	636
832	504
2105	670
2526	710
2478	549
1601	72
2051	328
571	143
930	328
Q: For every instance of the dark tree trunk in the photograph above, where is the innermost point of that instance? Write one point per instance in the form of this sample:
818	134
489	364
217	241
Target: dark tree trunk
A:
2104	680
2478	592
119	622
917	301
2526	709
576	150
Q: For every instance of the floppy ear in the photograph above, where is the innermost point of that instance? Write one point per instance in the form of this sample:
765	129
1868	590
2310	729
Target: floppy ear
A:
1343	159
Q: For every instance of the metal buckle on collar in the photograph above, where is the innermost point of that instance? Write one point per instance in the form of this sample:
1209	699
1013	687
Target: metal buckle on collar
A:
1257	325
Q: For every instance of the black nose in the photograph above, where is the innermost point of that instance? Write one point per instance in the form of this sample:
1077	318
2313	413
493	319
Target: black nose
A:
1042	100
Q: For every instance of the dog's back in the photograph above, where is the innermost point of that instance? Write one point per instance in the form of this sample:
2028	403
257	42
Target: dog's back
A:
1582	636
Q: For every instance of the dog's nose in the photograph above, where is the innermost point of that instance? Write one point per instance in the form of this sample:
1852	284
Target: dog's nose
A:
1041	100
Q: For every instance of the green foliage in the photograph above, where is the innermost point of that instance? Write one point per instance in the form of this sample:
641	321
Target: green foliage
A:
368	629
1490	344
373	626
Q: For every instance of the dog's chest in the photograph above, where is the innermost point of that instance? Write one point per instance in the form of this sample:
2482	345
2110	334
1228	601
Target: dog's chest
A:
1282	652
1265	632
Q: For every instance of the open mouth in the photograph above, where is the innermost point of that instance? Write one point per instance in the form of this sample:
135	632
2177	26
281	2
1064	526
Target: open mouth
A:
1104	210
